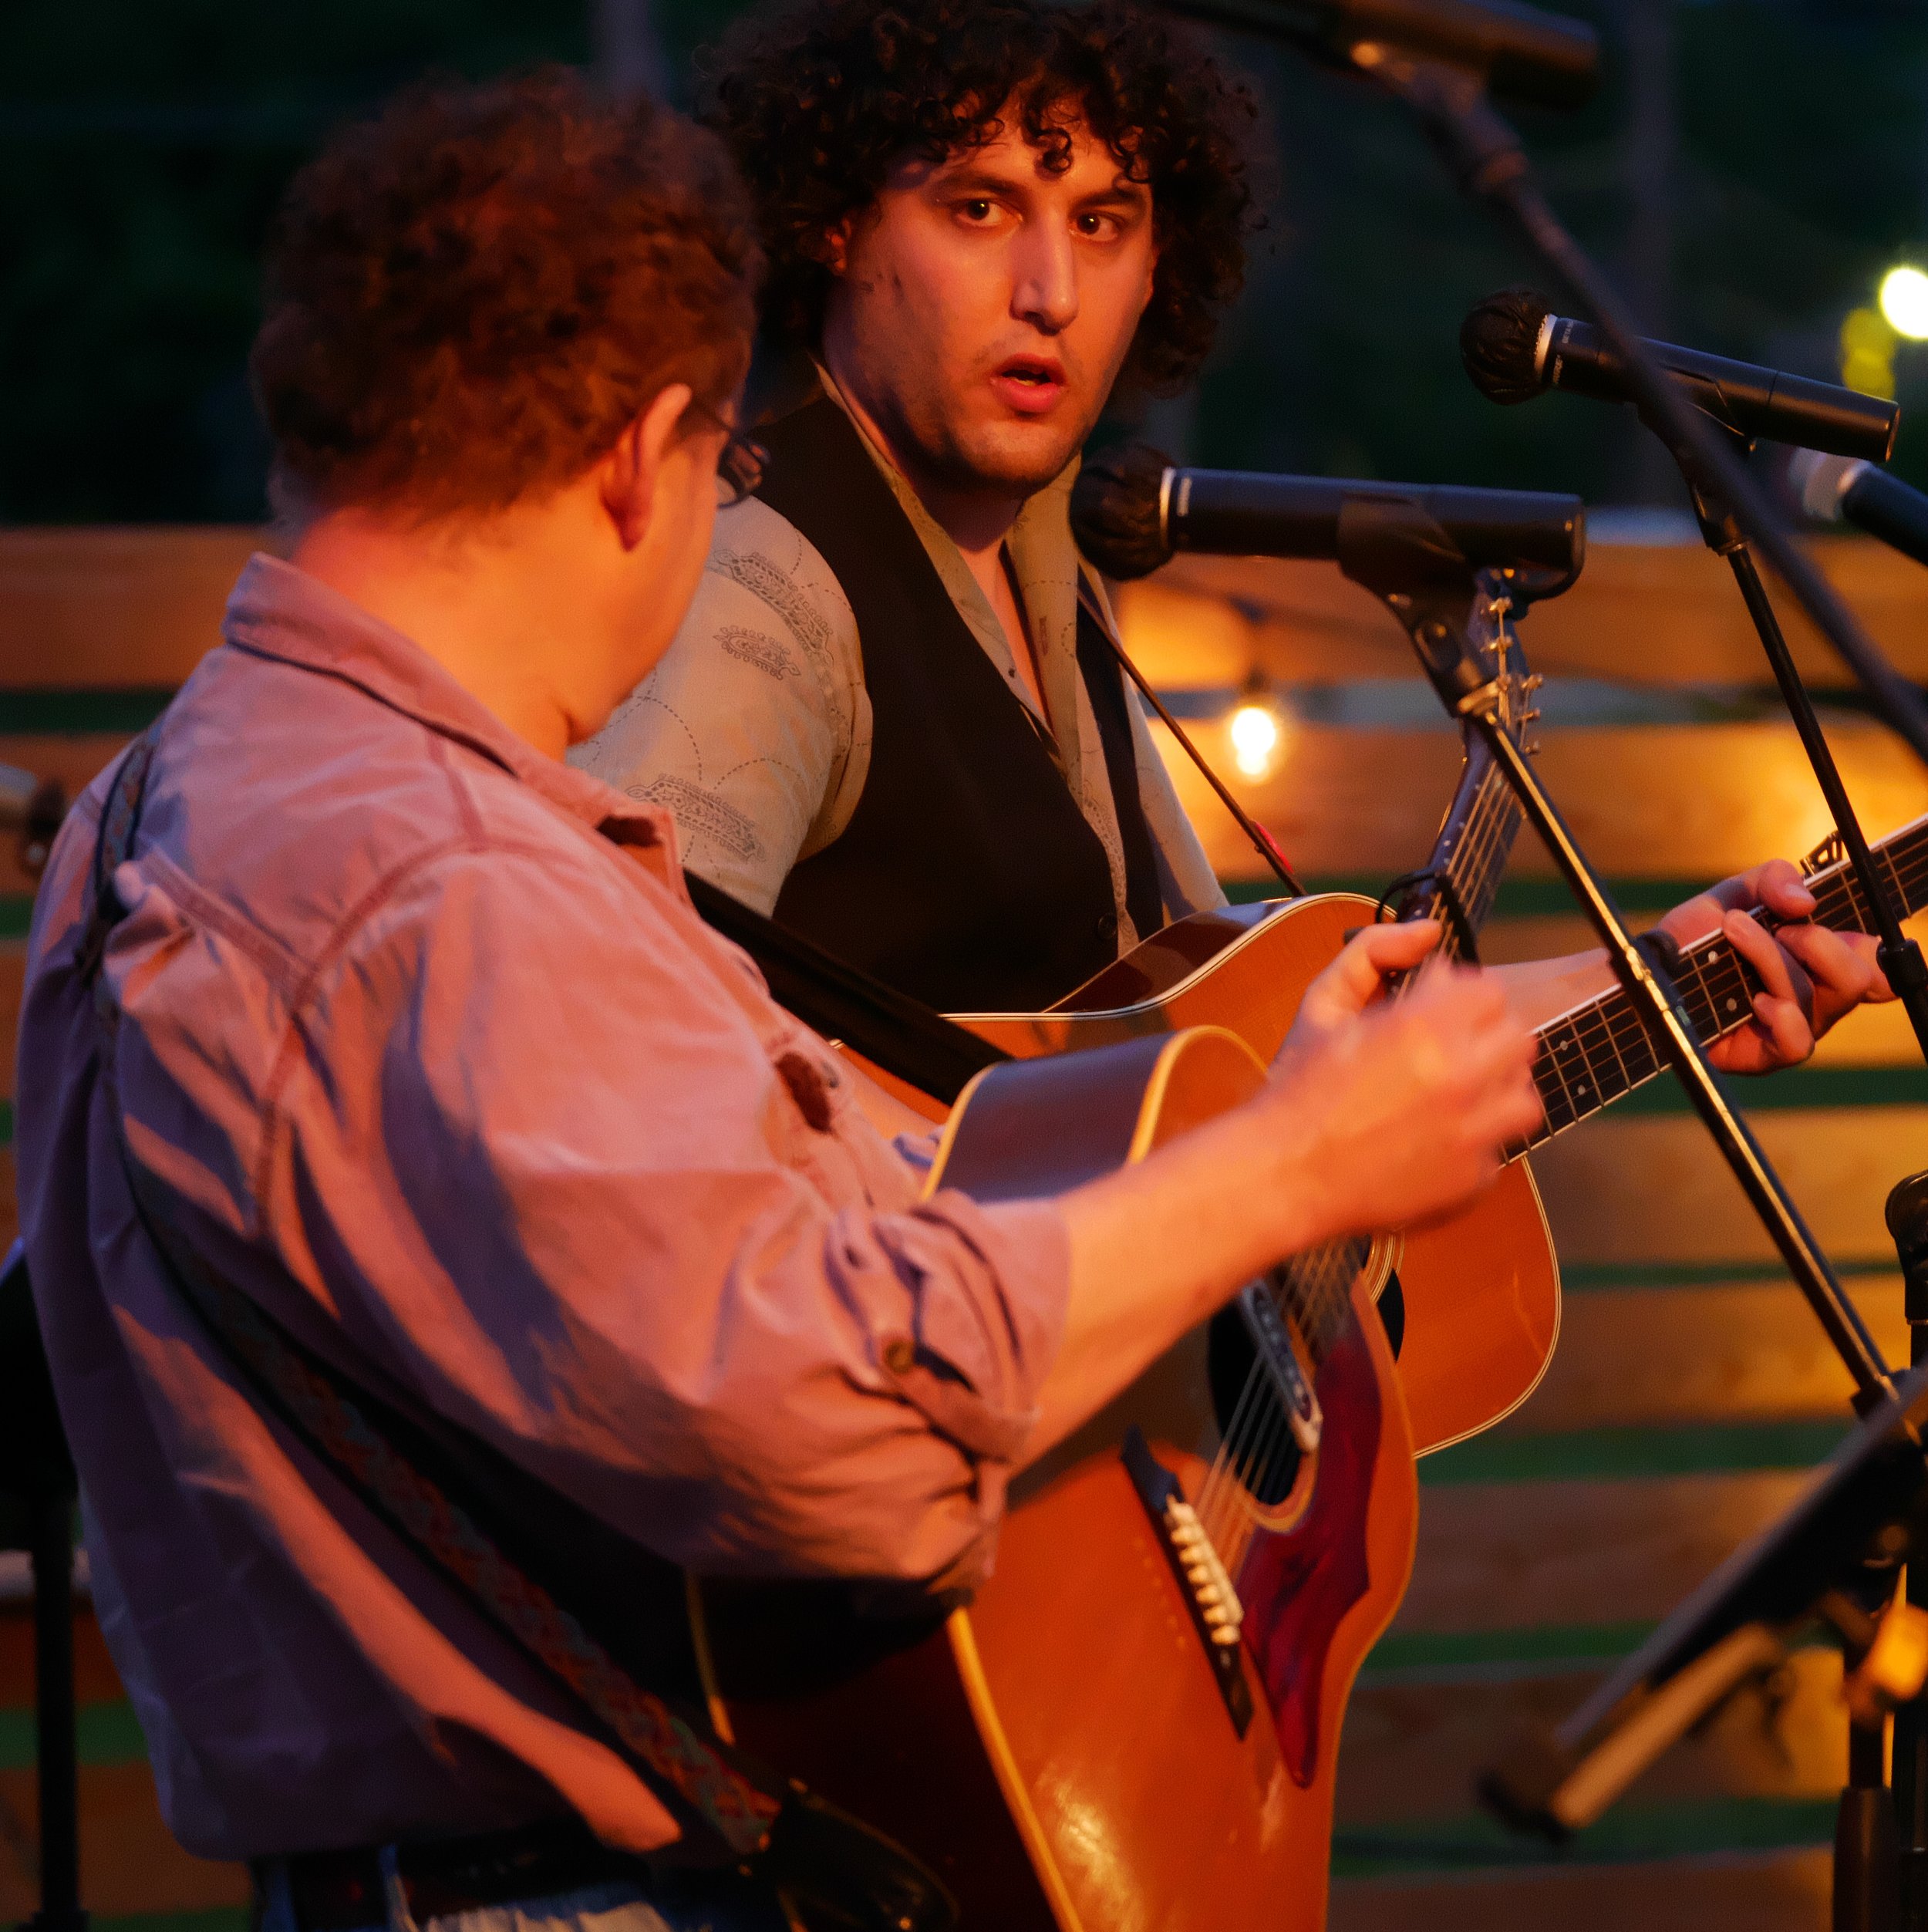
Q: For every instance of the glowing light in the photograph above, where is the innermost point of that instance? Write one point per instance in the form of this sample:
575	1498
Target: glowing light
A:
1904	302
1868	345
1256	740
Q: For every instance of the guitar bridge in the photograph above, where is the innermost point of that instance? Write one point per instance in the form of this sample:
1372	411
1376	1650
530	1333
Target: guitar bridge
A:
1216	1612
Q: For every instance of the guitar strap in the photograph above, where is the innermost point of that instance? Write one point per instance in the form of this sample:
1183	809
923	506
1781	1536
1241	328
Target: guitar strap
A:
832	1869
841	1001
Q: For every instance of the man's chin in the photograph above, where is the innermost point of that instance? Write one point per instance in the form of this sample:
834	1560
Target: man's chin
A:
1019	459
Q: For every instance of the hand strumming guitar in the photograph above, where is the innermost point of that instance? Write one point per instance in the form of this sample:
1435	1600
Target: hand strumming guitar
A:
1377	1116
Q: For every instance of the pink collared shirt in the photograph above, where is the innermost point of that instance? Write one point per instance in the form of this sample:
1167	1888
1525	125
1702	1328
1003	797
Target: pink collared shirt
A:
422	1037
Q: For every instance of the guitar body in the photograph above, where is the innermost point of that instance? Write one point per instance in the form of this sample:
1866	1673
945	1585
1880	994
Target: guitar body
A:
1064	1752
1481	1289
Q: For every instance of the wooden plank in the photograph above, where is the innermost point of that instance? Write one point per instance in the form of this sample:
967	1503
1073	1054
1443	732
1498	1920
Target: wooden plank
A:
1412	1750
1526	1556
1749	1352
1698	801
1662	614
96	1680
1653	1188
1776	1891
73	760
138	606
113	607
130	1861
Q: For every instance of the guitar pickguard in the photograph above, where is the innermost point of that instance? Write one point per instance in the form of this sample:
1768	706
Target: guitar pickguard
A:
1297	1585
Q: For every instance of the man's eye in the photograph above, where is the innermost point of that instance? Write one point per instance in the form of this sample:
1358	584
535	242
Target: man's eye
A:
976	210
1099	226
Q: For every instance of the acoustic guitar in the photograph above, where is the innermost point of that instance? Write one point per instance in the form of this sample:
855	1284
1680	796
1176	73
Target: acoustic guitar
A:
1134	1727
1481	1292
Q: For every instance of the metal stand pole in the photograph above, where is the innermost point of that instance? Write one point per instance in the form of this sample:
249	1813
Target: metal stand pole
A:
1907	1216
1900	957
52	1552
1865	1877
1395	551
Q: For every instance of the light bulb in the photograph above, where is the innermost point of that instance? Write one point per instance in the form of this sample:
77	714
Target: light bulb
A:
1256	738
1904	302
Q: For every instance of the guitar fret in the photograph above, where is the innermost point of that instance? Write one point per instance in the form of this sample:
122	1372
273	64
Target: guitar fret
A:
1608	1036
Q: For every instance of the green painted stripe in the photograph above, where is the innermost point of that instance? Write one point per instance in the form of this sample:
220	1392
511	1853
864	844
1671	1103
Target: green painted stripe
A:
108	1734
1628	1834
1798	1087
6	1123
216	1918
1518	897
1592	1277
16	915
1413	1650
1605	1455
75	713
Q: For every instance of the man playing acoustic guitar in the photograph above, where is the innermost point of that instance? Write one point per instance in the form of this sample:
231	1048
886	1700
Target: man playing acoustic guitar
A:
890	718
351	1004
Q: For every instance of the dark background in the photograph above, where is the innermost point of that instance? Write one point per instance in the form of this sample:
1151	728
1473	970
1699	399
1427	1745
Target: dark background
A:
1749	168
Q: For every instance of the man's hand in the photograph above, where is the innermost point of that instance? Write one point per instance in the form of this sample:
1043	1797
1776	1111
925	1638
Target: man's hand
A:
1399	1115
1810	976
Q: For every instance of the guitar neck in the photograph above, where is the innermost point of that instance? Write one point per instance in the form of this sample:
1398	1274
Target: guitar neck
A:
1461	879
1592	1055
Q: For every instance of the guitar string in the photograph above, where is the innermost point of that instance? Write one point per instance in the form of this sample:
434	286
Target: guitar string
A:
1325	1279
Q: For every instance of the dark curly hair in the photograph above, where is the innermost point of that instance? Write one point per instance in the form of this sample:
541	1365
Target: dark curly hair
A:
819	103
471	296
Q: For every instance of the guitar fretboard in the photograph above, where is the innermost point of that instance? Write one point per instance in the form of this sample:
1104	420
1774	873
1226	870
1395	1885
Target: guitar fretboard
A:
1593	1055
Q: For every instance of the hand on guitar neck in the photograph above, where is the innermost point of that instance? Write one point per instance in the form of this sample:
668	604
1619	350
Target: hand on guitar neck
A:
1811	975
1371	1119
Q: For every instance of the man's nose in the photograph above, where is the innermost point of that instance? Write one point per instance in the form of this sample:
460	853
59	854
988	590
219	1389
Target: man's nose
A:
1046	293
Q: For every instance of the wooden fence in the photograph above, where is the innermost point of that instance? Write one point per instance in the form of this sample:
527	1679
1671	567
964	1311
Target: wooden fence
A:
1691	1387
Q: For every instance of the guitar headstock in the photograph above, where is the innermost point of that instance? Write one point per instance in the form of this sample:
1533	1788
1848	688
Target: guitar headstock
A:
1492	633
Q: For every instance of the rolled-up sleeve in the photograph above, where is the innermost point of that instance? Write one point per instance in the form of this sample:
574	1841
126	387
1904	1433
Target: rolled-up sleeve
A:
603	1205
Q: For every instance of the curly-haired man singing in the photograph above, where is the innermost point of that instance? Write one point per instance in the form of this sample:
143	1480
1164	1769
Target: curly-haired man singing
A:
892	716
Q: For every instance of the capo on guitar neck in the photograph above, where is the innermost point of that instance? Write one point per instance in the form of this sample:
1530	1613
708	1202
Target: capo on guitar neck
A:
1403	889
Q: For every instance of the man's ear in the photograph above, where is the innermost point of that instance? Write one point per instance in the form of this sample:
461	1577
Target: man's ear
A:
833	250
633	469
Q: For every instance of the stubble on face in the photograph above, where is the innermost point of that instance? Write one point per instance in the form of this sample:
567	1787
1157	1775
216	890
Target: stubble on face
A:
985	307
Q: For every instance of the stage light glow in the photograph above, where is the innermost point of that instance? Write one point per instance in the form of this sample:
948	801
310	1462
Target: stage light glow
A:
1868	345
1904	302
1256	740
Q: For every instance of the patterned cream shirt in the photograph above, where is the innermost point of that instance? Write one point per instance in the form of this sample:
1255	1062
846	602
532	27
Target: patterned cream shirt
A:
754	729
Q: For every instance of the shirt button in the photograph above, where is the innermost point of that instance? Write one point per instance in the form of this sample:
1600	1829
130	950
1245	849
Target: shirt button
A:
900	1355
1108	926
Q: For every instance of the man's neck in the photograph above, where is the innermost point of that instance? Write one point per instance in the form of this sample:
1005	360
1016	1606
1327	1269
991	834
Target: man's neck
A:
466	605
976	519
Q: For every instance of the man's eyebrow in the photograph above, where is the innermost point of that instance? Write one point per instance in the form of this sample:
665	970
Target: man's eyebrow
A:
968	178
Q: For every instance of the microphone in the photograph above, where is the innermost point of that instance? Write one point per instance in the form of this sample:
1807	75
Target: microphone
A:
1836	490
1520	52
1515	349
1132	510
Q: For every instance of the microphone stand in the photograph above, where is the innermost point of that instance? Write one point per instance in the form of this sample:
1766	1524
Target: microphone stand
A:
1393	548
1485	155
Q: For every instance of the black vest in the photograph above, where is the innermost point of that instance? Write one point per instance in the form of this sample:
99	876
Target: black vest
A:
967	876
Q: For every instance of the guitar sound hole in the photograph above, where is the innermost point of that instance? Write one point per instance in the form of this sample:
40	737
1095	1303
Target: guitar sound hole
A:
1230	1357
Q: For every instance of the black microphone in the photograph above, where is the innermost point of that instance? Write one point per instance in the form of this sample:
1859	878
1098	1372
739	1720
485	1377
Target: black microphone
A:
1132	510
1515	349
1853	491
1521	53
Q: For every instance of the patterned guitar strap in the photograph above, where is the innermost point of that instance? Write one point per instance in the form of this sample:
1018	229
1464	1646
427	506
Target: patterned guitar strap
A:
832	1870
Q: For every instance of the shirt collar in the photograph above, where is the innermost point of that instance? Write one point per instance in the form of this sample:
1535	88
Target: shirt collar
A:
276	610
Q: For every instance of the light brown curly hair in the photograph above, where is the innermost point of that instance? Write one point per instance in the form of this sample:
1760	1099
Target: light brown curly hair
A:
469	297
